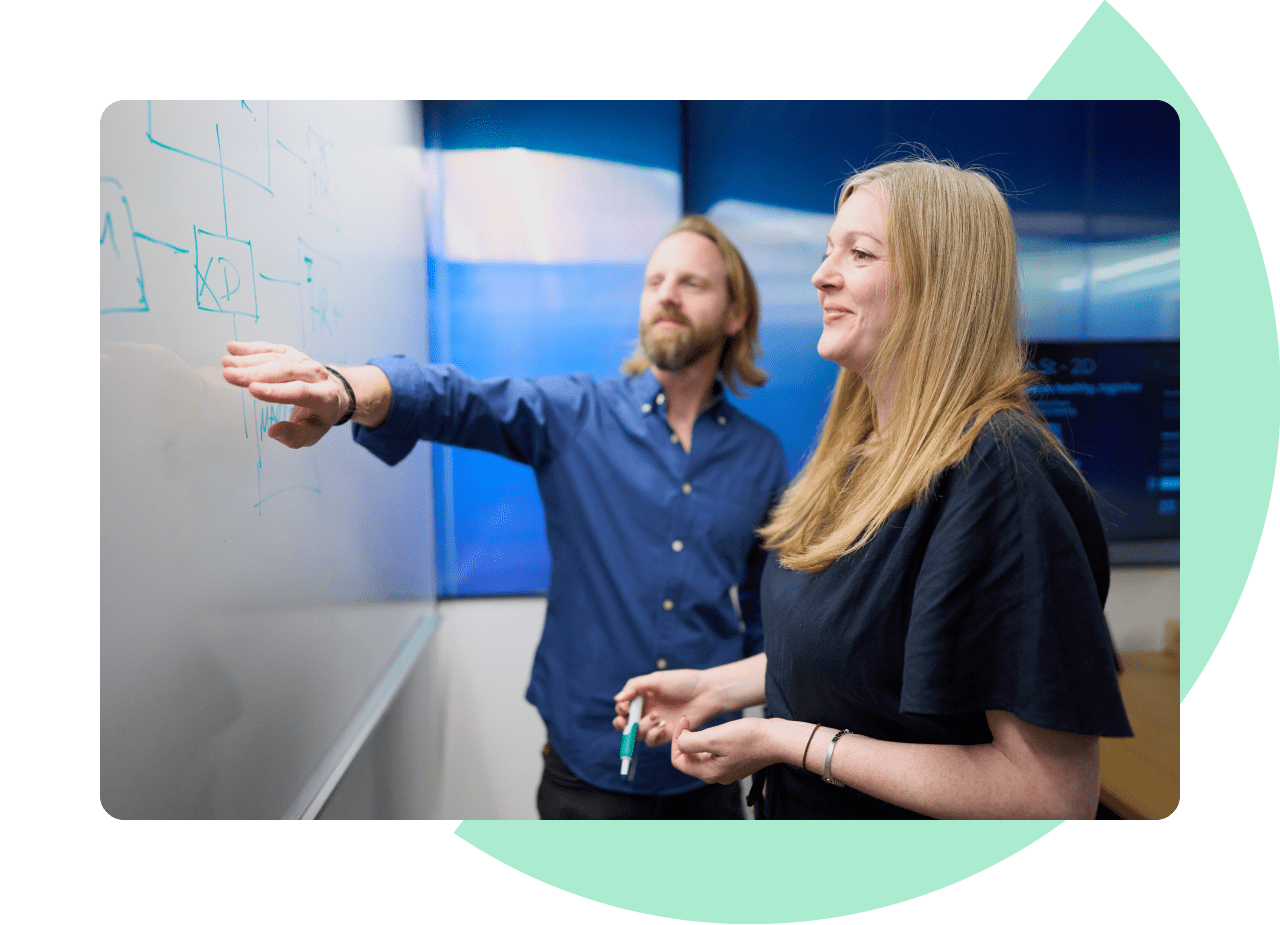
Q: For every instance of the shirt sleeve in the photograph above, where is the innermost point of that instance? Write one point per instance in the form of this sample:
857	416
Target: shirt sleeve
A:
525	420
1007	608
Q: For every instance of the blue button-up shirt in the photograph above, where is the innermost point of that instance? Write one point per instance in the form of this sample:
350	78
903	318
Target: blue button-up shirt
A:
654	558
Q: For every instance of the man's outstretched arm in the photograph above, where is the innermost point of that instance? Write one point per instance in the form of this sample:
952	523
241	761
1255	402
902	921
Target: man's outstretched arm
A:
282	375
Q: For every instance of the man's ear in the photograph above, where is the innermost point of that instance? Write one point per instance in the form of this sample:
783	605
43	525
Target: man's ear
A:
735	320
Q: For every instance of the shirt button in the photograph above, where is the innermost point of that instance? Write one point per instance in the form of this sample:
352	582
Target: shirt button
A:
662	664
675	438
686	488
742	627
646	407
677	545
661	399
668	604
720	420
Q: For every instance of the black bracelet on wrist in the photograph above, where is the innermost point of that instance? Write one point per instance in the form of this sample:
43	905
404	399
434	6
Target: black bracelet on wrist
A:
816	727
351	396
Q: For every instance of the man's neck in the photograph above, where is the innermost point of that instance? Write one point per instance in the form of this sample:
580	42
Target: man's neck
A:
689	391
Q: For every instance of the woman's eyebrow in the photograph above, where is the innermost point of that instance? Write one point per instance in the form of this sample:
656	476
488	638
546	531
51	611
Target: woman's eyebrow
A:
868	234
855	233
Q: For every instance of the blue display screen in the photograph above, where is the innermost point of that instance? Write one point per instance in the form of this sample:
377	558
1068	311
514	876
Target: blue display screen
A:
1115	405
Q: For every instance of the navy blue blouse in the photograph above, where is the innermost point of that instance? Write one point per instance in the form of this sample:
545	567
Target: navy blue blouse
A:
985	595
653	550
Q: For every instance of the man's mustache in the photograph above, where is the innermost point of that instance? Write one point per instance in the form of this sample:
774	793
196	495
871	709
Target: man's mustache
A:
670	316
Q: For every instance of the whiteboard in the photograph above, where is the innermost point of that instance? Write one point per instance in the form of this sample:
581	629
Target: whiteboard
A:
253	597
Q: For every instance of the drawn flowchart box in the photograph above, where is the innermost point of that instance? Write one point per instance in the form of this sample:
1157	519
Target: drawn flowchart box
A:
123	288
319	197
224	275
321	304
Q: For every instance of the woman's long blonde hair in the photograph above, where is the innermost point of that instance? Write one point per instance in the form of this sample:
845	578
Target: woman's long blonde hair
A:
952	350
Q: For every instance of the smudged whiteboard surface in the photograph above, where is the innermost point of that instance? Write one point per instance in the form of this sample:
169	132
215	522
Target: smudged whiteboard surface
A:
253	597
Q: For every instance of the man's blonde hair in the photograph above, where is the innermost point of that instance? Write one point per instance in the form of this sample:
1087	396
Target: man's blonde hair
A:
738	356
951	349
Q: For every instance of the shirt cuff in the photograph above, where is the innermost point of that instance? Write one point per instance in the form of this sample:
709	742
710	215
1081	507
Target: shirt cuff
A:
408	391
396	437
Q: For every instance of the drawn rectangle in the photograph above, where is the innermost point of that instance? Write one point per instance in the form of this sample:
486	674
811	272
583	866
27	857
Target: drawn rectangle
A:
224	275
319	195
123	287
323	334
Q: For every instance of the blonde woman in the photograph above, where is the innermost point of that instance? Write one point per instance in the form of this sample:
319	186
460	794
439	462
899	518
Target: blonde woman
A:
934	637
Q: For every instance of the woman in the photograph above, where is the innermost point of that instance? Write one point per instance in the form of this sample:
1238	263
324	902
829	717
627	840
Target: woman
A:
934	638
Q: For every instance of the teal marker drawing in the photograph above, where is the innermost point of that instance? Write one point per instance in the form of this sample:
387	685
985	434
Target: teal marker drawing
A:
628	748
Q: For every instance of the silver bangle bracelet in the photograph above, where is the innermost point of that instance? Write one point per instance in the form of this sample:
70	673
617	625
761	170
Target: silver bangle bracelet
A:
826	765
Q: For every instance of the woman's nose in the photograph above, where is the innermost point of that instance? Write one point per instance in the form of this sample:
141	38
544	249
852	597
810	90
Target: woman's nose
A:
824	277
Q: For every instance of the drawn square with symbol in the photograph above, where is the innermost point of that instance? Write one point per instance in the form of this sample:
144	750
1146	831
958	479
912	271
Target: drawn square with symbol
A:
224	275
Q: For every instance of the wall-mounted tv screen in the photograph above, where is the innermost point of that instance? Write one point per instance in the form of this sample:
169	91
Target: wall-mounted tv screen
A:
1114	404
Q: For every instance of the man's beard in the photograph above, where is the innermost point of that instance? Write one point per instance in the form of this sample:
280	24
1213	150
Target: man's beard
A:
674	349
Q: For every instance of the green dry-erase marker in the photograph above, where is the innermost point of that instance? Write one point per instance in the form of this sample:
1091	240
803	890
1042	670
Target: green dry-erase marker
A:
629	734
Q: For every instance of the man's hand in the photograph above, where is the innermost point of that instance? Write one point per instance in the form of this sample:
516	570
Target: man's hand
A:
280	374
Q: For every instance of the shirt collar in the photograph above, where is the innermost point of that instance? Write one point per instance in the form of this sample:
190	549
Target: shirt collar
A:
647	390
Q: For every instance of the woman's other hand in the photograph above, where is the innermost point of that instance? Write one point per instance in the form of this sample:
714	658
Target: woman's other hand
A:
725	753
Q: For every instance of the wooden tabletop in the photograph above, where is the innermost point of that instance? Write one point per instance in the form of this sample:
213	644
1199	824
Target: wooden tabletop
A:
1140	775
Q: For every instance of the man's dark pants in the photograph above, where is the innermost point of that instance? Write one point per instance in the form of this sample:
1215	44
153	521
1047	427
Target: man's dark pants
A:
564	795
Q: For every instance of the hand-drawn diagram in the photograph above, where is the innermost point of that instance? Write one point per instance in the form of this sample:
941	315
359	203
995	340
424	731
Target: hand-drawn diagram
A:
280	469
319	198
205	520
224	275
123	288
321	312
239	141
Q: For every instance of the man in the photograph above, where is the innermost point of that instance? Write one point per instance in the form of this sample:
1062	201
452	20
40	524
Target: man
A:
653	486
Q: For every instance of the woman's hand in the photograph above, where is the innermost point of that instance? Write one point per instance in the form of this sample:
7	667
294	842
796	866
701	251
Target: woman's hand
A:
724	753
668	695
699	695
